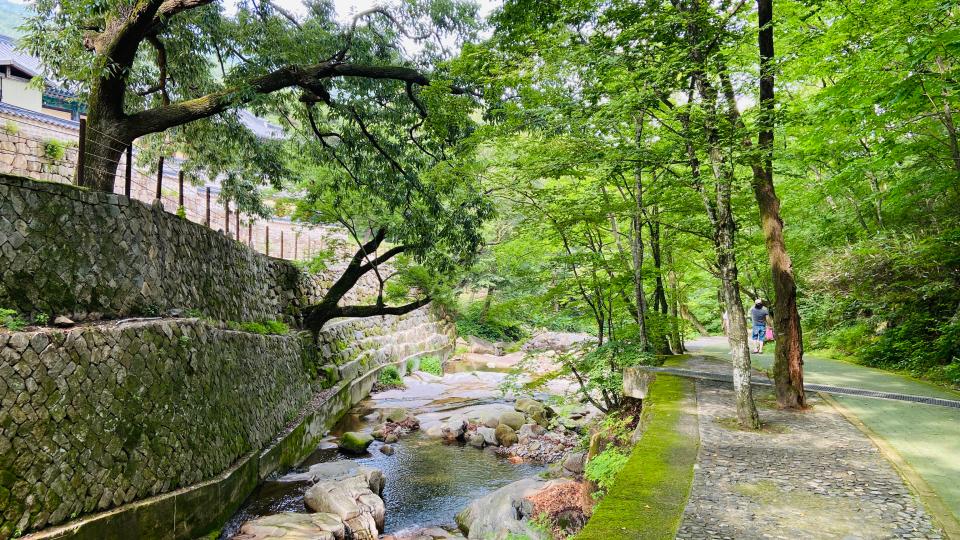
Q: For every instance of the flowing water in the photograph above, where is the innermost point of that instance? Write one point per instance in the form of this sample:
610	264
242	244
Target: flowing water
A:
427	481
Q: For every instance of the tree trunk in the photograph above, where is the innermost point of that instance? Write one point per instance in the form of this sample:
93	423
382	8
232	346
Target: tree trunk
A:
692	319
636	248
487	301
676	340
739	349
788	362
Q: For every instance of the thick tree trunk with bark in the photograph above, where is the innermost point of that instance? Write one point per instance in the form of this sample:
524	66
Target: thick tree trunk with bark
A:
788	362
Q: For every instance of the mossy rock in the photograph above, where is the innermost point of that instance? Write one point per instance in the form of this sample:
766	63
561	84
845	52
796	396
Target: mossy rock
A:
506	435
513	419
354	442
525	404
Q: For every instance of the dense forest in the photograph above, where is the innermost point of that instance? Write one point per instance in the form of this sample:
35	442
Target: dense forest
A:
607	151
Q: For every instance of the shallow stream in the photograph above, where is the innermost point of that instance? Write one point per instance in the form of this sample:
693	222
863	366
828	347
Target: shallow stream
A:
427	481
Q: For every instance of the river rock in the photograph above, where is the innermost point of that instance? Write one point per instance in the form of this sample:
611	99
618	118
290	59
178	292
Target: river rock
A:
63	322
482	346
397	415
476	440
338	470
354	442
433	429
556	341
490	420
454	428
527	431
293	526
524	404
504	513
391	438
387	450
512	419
355	500
574	462
489	435
505	435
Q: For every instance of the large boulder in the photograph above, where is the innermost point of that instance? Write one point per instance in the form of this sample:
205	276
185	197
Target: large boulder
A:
490	420
512	419
525	404
293	526
489	435
504	513
505	435
397	415
482	346
574	462
354	499
339	470
557	341
354	442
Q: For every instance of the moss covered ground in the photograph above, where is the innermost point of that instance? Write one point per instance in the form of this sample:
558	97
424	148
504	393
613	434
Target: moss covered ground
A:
649	495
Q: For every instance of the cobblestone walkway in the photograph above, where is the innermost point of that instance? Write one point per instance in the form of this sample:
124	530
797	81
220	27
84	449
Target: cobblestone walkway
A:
808	475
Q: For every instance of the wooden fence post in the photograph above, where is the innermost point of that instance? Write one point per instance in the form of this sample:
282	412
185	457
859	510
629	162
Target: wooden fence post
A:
159	178
181	189
281	243
267	240
82	152
296	240
226	217
128	176
250	232
236	222
208	206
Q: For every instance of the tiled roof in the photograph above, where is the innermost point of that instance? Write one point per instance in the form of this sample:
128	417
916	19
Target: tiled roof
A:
10	56
20	112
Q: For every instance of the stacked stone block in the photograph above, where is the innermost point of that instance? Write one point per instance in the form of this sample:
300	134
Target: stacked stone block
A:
90	255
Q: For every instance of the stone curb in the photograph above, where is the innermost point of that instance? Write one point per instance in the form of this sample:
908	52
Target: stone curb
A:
935	506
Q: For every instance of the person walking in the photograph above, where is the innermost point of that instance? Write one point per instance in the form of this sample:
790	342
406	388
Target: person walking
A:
758	317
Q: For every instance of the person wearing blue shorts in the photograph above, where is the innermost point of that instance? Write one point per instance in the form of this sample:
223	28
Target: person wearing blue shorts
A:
758	316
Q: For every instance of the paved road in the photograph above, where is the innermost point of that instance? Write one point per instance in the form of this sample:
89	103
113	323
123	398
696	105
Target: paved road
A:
927	437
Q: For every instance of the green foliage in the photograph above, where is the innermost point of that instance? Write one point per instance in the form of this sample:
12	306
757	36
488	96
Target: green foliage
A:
181	212
390	377
11	128
431	364
41	319
319	262
54	149
604	468
498	324
11	320
264	327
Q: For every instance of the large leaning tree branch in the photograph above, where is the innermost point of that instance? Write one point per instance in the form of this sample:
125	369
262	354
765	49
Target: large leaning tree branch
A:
317	315
115	46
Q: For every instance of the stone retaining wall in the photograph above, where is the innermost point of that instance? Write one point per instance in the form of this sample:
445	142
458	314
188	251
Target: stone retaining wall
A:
100	416
89	255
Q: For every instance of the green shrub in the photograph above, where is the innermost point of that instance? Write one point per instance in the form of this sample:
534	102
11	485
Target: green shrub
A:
849	339
41	319
605	466
181	212
11	320
11	128
54	150
266	327
390	376
431	364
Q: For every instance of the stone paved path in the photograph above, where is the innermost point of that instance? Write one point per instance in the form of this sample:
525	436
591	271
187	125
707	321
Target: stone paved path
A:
808	475
927	437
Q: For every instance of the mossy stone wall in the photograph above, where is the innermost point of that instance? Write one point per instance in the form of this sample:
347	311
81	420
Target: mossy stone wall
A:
91	255
98	416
